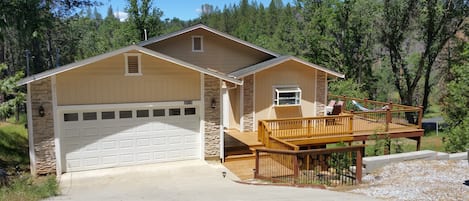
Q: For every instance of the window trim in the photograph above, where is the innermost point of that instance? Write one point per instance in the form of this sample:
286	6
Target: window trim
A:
277	90
138	55
201	44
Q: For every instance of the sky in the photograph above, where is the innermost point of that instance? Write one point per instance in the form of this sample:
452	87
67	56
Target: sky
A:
182	9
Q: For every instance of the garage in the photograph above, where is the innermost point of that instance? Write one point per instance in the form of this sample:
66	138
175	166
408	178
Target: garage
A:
125	135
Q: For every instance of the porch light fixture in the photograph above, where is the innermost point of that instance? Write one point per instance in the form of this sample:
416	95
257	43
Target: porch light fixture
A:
41	111
224	174
213	104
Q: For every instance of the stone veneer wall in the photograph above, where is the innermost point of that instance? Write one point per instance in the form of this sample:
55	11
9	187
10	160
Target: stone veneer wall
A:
43	127
212	117
321	95
248	115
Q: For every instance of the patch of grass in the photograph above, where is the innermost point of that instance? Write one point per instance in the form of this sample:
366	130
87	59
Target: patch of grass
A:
13	146
433	111
22	119
27	188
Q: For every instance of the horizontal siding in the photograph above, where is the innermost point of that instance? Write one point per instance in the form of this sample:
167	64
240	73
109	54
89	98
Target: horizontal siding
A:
288	73
104	82
219	53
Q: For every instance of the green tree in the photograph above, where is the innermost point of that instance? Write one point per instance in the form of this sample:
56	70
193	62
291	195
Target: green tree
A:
455	106
13	96
144	18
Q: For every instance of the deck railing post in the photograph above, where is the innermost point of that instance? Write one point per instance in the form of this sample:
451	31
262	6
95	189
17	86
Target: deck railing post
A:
260	129
388	119
350	129
420	117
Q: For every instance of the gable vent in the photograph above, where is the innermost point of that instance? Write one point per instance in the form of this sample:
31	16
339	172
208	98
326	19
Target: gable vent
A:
132	64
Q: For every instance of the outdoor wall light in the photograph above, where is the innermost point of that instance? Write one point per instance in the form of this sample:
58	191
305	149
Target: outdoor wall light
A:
224	174
41	111
214	103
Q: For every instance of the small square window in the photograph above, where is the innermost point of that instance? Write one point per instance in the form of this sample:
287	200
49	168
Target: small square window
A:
197	44
90	116
71	117
133	65
159	113
143	113
108	115
189	111
174	112
287	96
125	114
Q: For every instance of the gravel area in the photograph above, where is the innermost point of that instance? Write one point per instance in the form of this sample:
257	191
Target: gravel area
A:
419	180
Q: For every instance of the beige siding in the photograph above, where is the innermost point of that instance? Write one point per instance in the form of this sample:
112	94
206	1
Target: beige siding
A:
234	108
219	53
288	73
104	82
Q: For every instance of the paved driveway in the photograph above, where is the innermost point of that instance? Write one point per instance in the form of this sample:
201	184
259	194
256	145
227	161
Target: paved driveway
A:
190	180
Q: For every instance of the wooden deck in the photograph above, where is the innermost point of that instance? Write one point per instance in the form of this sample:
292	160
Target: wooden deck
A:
390	121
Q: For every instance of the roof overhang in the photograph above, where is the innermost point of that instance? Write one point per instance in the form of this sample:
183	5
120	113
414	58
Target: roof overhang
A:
155	54
201	26
276	61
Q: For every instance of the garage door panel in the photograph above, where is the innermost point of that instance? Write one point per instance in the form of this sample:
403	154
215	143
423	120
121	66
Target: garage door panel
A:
97	143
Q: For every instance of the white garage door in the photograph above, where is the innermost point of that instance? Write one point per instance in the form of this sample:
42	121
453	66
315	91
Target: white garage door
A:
95	139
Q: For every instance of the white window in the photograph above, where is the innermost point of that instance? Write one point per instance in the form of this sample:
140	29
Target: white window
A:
287	95
133	64
197	44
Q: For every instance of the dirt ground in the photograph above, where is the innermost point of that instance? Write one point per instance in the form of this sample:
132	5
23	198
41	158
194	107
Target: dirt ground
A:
420	180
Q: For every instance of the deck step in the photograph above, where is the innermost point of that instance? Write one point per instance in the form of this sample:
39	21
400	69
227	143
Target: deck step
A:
240	157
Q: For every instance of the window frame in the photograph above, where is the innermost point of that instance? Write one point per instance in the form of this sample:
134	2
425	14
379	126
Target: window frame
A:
201	44
277	90
138	55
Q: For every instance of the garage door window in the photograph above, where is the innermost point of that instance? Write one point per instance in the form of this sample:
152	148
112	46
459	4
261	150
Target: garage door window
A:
189	111
125	114
174	112
89	116
71	117
159	113
108	115
143	113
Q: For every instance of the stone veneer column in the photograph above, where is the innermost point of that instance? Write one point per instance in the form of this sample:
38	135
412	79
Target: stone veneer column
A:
43	127
321	90
212	117
248	116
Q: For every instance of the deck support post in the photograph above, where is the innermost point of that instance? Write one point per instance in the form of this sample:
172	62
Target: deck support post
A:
358	166
296	168
418	139
256	171
387	147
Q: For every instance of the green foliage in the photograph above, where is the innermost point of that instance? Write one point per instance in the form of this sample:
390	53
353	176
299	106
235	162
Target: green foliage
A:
9	89
347	88
27	188
455	107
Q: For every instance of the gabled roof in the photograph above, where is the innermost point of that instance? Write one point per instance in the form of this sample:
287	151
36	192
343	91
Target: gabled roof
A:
201	26
85	62
275	61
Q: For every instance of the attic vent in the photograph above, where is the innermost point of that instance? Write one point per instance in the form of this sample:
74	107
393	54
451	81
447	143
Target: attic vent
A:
133	64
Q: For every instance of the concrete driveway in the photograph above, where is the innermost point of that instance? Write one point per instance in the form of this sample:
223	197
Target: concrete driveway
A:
189	180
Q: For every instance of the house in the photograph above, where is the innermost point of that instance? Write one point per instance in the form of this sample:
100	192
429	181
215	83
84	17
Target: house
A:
168	98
